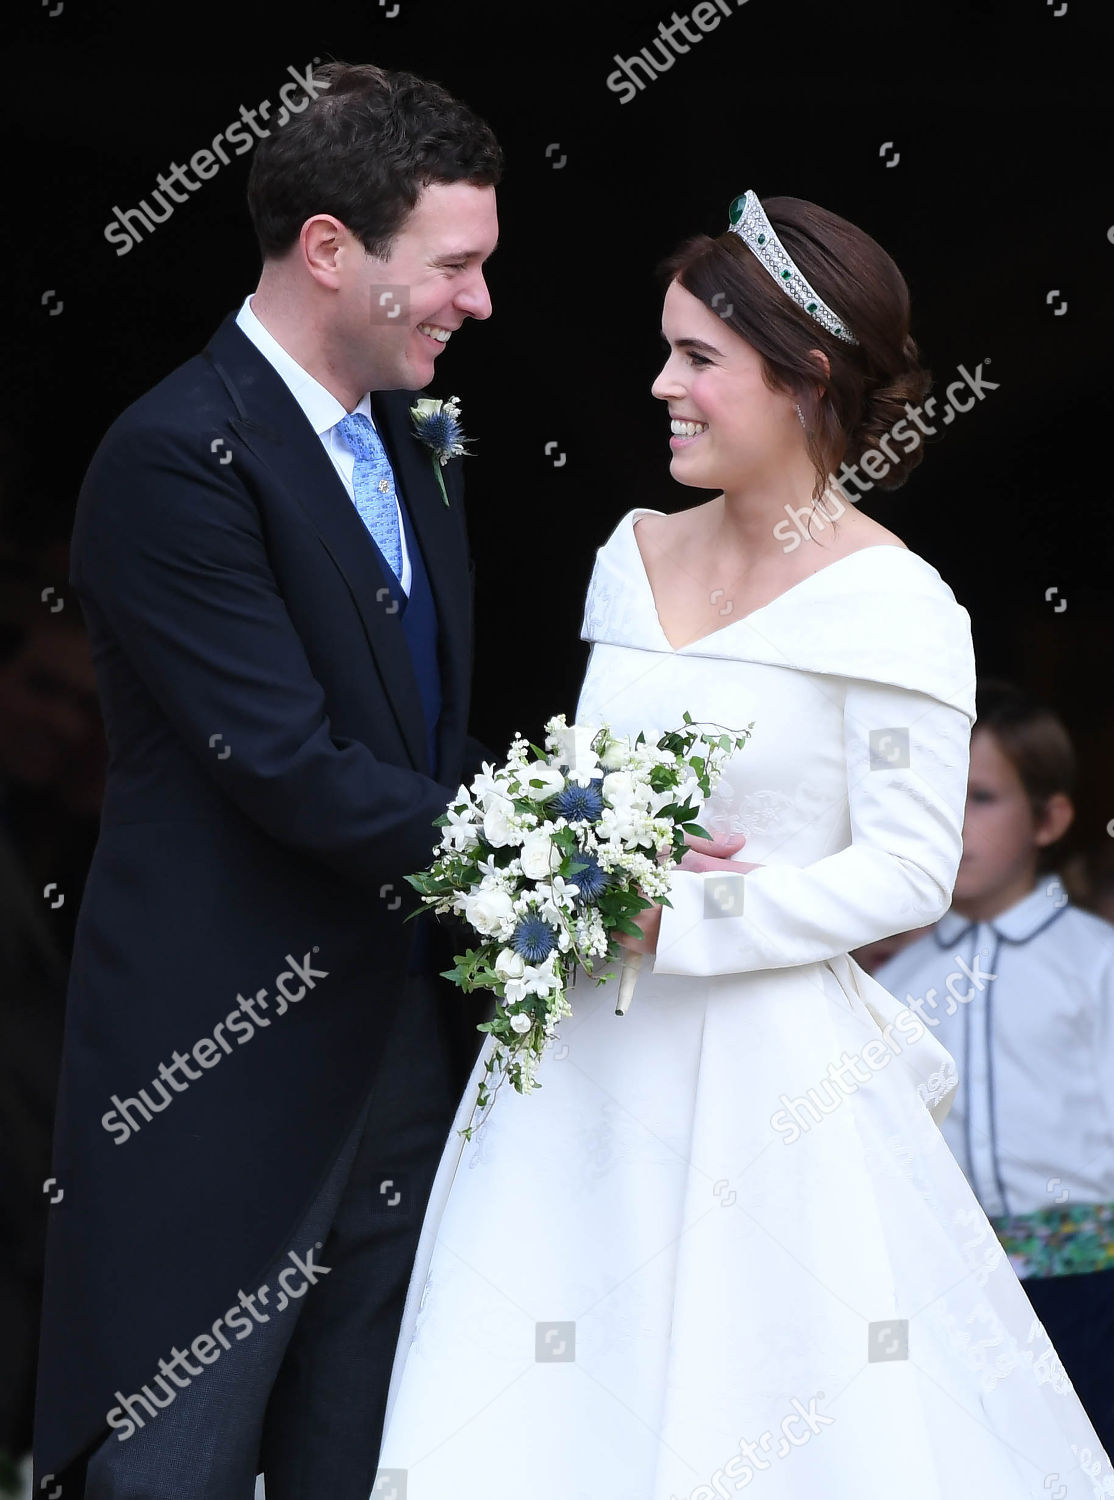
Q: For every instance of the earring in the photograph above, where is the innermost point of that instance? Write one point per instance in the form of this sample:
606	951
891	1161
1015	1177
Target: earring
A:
801	417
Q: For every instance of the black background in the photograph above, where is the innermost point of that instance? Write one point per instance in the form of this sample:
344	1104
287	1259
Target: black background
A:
999	208
1001	195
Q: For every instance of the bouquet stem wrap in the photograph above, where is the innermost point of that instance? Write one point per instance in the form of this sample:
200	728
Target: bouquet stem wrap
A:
628	978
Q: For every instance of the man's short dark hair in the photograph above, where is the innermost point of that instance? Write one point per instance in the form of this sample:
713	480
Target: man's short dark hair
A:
364	150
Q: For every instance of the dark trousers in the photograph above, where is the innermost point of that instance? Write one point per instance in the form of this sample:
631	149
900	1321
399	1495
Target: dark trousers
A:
303	1397
1078	1316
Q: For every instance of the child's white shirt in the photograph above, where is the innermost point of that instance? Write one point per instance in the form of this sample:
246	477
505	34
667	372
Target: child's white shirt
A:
1025	1005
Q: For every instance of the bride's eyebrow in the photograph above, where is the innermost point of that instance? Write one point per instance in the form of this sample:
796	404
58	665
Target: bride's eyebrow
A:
697	346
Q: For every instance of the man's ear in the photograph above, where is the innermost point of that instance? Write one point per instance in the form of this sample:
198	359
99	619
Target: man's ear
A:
323	242
1055	820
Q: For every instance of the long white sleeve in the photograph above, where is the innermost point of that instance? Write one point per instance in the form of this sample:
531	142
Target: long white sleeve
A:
905	812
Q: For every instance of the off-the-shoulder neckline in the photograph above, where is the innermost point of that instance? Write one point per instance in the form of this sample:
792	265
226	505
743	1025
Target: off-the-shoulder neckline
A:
632	517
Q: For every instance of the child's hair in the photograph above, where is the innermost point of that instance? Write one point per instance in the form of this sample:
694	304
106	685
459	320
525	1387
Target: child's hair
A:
1033	738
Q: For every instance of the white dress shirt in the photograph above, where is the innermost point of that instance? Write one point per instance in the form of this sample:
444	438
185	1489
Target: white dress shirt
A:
323	412
1032	1124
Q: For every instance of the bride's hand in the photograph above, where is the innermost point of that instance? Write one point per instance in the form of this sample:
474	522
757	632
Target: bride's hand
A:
649	921
701	855
714	854
718	848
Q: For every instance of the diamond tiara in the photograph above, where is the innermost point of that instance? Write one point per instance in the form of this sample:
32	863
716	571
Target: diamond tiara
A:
748	220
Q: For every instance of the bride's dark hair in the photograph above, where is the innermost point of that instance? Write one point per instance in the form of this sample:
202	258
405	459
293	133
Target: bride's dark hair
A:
870	383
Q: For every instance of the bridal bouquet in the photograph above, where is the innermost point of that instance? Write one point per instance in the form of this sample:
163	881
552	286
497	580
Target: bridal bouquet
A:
550	856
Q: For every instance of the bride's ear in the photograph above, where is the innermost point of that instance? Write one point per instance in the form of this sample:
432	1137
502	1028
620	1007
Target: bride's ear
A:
818	357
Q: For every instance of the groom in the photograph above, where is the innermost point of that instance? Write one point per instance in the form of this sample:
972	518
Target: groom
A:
260	1064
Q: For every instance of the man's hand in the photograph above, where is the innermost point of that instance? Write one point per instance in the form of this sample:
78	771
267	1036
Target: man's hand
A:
701	855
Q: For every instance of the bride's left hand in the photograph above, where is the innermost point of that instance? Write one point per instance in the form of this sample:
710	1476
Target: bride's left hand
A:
699	857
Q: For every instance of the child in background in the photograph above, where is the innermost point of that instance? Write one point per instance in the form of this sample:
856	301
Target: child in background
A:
1018	985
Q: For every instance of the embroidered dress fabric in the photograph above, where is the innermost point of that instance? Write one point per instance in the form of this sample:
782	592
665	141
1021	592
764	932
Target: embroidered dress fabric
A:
724	1241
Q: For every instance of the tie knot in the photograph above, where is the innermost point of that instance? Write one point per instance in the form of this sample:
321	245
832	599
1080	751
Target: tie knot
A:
360	435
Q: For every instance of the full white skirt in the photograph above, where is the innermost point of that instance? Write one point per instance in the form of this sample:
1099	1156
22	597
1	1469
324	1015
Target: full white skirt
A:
671	1273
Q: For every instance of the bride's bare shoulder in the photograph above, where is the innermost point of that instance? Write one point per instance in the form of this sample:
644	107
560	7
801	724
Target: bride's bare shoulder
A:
655	532
853	530
660	529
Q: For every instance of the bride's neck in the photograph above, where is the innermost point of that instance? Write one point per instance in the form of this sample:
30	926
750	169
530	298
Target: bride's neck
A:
759	518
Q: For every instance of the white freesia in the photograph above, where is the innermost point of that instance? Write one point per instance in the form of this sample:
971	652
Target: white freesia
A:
623	823
621	789
574	749
537	856
460	833
488	910
498	827
542	979
556	899
655	801
551	780
509	964
490	786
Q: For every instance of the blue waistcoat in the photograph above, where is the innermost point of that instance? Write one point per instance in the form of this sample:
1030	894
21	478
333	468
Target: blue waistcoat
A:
419	622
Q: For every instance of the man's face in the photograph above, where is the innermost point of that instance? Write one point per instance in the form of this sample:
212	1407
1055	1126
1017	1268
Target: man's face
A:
396	315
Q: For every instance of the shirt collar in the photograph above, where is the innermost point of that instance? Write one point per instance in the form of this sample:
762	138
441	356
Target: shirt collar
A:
1019	922
321	407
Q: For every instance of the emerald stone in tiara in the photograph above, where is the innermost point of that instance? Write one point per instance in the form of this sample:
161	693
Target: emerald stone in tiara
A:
748	220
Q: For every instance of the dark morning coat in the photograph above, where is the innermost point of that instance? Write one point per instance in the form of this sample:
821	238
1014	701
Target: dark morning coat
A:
267	792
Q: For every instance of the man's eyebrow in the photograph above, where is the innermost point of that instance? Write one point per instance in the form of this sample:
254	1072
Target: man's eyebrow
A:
449	256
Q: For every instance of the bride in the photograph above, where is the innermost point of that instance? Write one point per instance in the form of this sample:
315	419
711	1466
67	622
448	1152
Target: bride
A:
724	1243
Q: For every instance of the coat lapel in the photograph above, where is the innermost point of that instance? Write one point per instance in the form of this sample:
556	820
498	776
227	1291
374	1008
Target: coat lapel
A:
270	423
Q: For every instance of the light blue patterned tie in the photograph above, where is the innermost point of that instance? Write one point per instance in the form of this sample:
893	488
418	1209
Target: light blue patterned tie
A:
373	483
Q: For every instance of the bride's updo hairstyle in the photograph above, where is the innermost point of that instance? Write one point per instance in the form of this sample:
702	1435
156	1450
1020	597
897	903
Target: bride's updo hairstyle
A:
870	382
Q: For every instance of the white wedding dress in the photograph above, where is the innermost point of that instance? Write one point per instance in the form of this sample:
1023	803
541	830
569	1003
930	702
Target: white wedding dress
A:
693	1261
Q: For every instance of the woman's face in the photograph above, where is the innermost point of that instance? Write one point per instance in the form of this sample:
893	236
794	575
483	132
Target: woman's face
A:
739	430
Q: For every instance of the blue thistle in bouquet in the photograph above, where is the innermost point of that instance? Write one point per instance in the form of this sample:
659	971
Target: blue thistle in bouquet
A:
551	855
533	939
590	877
579	804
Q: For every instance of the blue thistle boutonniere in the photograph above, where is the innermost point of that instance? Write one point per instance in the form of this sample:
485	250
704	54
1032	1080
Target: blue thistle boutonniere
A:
437	424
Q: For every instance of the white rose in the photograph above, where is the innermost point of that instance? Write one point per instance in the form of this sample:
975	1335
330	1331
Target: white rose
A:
551	780
509	964
487	910
521	1023
498	829
537	855
614	755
